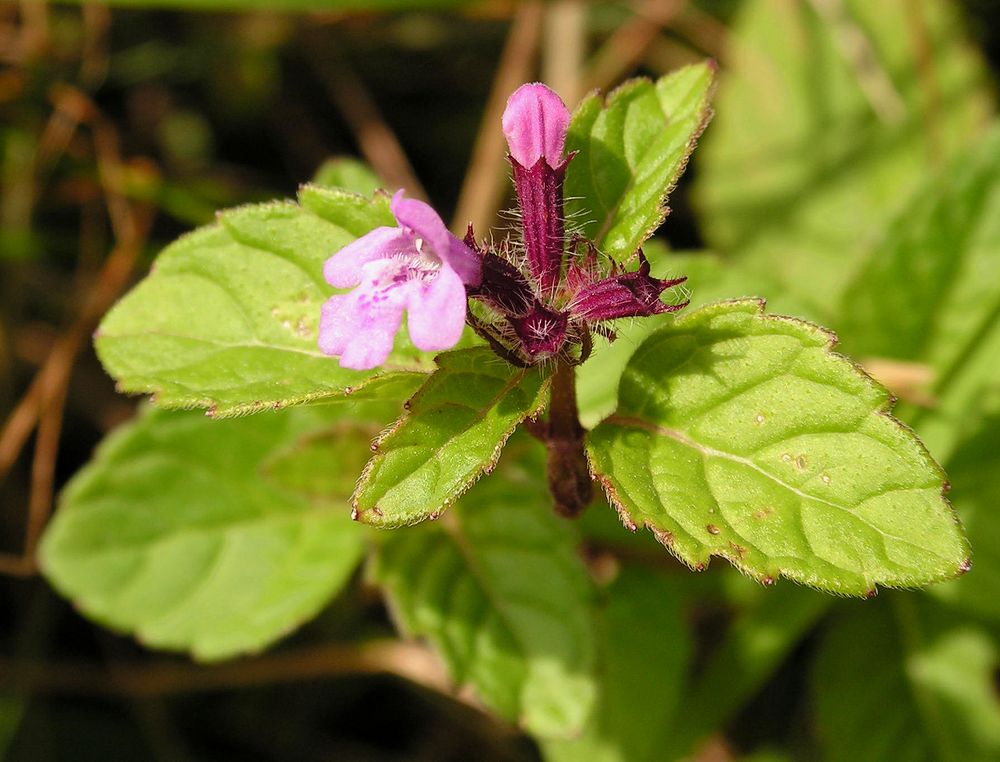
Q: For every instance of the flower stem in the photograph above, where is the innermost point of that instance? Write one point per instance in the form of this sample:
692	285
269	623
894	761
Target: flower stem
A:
568	473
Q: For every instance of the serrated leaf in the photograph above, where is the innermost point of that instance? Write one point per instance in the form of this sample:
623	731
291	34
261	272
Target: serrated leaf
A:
201	536
928	695
818	141
455	428
630	152
229	315
645	649
499	590
742	435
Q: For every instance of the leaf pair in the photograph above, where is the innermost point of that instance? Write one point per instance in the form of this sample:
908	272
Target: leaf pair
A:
737	434
219	537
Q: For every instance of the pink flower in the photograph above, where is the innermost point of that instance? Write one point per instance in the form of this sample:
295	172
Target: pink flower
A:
418	267
535	124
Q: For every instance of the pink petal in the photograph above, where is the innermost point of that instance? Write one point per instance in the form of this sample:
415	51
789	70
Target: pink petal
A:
464	261
359	329
343	269
437	311
535	123
423	221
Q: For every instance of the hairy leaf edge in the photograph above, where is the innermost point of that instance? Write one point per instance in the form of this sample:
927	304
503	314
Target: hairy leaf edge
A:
362	514
758	305
214	409
603	103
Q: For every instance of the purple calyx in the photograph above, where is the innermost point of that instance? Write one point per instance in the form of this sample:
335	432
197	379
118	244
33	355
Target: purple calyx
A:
550	308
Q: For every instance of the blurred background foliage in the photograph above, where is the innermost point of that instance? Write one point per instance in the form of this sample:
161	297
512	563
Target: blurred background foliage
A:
852	152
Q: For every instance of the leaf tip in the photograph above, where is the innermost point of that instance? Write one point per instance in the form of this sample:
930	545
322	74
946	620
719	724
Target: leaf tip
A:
965	566
370	516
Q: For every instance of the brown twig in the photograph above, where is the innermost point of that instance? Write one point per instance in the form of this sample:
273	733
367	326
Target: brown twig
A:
376	140
923	48
94	58
482	189
565	48
857	50
408	660
623	51
34	29
42	403
665	54
703	31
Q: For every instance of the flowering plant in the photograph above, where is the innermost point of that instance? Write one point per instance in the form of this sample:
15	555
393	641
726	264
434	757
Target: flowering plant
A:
726	431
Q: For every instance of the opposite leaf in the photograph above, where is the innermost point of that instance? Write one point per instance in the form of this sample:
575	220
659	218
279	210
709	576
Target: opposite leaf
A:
228	317
202	535
742	435
499	590
630	154
455	428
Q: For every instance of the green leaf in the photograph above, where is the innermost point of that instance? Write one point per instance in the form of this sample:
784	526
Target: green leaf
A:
347	174
929	692
742	435
597	379
930	292
826	126
228	317
631	151
209	536
456	426
499	590
935	276
645	649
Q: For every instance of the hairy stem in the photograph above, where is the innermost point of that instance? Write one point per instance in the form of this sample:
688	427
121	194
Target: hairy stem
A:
568	474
